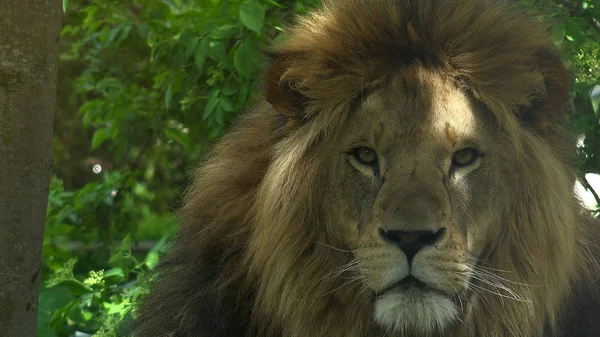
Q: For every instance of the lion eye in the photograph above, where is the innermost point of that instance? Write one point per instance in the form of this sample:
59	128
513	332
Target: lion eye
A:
365	156
464	157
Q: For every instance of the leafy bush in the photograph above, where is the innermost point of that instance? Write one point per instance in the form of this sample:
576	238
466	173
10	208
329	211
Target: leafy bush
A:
576	29
145	87
152	83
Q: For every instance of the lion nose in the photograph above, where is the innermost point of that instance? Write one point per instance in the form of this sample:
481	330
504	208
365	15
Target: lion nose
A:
411	241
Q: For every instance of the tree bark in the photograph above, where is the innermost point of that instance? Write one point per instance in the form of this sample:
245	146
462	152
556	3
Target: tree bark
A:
29	36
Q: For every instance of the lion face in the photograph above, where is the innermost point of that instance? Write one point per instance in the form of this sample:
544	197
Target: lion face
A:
420	175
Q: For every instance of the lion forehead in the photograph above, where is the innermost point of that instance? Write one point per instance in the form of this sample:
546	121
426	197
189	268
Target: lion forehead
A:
416	108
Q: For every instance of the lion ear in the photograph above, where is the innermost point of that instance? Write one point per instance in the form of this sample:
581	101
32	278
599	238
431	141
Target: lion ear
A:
549	109
280	92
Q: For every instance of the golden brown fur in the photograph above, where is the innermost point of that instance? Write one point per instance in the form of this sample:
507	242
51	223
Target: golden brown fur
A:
279	232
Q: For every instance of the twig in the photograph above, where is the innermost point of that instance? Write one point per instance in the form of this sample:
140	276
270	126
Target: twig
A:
594	23
142	246
567	5
224	7
575	10
591	189
117	195
142	150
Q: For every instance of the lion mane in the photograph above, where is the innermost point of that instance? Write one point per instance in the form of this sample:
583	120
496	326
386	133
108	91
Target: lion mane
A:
246	260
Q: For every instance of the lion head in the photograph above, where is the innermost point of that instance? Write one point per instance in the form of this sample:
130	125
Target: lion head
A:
406	175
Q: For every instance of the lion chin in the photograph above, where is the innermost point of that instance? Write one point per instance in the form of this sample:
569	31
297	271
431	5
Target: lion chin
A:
414	310
405	174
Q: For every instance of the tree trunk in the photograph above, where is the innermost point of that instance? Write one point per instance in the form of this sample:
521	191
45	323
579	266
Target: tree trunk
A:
29	36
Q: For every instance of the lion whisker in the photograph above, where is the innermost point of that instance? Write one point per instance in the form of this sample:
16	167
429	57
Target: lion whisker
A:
477	294
483	267
476	291
335	248
345	284
496	282
462	310
512	295
337	272
495	291
363	286
490	274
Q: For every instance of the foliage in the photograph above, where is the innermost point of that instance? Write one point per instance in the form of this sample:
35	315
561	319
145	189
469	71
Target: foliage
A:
103	298
145	87
576	29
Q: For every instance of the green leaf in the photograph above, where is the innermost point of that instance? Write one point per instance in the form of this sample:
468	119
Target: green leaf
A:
68	30
114	272
151	38
123	252
113	130
211	103
245	58
180	137
178	60
574	31
595	99
169	96
231	86
116	308
150	170
252	16
93	27
243	93
217	51
200	54
111	36
151	260
58	318
152	257
276	4
227	105
143	30
190	46
76	287
51	300
558	32
224	32
65	5
63	229
99	137
125	32
220	116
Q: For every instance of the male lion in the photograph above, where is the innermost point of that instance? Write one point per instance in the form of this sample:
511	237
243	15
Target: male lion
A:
407	174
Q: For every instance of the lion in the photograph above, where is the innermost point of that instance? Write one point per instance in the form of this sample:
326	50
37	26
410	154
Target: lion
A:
406	173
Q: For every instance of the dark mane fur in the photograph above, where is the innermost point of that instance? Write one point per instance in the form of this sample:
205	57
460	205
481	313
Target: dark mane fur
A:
202	289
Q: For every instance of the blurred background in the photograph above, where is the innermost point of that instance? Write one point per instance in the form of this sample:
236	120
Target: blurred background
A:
145	87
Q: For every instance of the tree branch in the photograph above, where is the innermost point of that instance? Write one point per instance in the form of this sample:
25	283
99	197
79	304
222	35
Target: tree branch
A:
594	23
575	10
587	185
142	150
